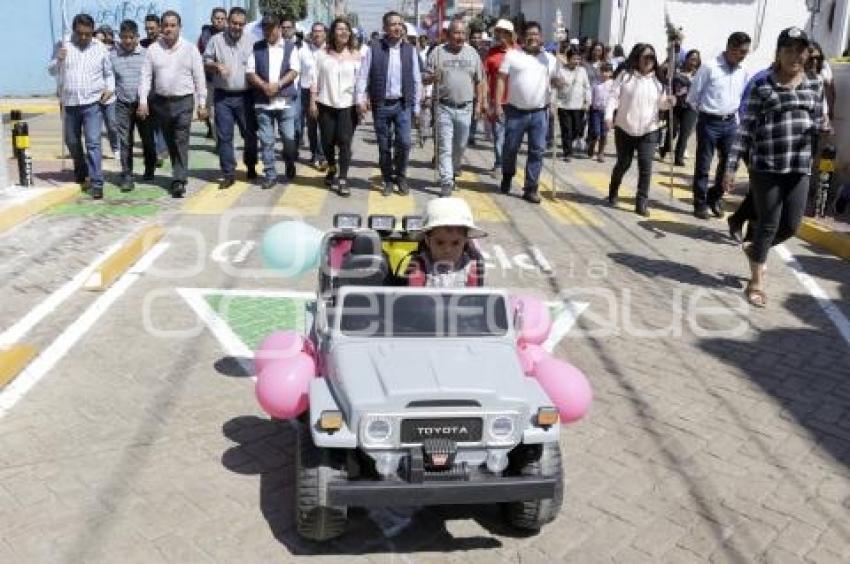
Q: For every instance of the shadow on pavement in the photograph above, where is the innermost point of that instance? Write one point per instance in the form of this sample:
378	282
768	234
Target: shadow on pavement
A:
697	232
267	448
804	369
234	367
682	273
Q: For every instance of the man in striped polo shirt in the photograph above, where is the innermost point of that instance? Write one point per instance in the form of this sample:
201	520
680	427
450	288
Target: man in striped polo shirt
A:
85	80
127	62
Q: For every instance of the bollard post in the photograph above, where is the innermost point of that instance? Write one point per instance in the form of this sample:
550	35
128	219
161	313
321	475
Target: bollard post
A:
21	139
4	168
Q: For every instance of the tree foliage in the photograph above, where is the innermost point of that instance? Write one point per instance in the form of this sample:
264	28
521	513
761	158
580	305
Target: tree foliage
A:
296	8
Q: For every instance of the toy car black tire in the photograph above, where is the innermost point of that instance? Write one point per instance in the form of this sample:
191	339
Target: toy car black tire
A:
315	467
535	460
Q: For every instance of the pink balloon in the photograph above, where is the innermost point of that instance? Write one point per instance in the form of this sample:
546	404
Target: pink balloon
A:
566	386
535	321
277	345
283	386
529	355
338	249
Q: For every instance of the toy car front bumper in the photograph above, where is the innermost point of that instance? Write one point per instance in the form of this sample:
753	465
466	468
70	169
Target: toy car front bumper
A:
381	493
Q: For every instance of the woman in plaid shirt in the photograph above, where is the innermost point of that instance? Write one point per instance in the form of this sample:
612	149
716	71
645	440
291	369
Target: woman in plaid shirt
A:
783	113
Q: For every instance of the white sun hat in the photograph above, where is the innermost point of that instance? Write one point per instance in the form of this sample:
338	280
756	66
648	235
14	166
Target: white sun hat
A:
410	29
506	25
446	212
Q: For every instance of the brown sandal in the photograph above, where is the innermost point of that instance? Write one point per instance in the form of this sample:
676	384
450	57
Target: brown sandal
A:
756	298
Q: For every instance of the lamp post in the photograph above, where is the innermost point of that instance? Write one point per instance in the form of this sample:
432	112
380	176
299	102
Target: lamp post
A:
814	7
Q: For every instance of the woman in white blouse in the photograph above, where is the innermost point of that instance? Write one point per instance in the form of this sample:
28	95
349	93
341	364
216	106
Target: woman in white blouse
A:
637	96
332	101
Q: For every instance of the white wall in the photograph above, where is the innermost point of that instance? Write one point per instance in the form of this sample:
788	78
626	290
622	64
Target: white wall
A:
707	24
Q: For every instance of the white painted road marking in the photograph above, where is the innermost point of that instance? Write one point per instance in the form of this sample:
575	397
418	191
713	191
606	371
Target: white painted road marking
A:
16	332
830	309
45	362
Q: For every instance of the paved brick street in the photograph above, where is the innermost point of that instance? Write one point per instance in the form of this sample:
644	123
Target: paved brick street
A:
718	433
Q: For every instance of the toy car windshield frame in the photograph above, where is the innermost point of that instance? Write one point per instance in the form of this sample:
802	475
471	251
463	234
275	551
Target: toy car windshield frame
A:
401	312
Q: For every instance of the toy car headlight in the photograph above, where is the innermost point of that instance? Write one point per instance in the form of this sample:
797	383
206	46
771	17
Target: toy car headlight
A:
502	427
382	222
411	223
347	221
379	430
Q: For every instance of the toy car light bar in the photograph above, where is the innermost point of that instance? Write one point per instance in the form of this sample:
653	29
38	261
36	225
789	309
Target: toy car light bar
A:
382	222
347	220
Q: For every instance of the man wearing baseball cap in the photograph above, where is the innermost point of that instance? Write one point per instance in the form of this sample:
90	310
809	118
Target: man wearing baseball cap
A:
505	38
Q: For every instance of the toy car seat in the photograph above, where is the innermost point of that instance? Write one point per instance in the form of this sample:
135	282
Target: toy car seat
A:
366	264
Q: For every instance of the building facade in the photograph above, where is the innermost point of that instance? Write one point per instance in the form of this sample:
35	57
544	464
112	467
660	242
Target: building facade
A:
706	23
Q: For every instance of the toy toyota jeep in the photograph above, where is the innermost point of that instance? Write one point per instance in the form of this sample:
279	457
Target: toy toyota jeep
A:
422	399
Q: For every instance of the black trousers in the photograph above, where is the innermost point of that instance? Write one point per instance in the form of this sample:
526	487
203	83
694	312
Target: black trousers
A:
780	200
174	116
626	146
684	122
336	129
572	126
126	123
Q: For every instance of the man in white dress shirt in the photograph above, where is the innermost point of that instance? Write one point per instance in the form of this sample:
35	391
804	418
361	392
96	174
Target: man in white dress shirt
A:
272	70
173	69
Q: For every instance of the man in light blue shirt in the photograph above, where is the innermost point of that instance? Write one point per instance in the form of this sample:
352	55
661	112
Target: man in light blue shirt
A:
716	94
390	81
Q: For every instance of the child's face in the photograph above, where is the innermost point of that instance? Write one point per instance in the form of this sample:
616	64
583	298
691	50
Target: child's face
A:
446	244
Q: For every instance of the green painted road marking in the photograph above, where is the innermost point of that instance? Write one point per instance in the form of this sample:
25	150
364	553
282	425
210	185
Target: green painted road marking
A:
105	208
253	318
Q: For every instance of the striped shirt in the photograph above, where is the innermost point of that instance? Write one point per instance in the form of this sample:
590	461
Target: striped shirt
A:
84	74
174	71
127	66
778	125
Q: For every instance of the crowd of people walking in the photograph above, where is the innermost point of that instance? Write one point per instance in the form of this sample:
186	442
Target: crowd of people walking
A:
271	85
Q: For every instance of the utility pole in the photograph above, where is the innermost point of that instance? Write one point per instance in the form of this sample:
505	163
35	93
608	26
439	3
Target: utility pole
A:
253	10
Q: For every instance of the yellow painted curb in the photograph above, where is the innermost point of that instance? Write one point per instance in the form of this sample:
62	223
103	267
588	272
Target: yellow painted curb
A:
122	259
13	360
17	213
31	108
820	235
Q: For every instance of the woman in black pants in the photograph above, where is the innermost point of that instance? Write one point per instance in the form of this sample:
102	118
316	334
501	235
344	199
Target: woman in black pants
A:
782	115
332	101
684	117
637	96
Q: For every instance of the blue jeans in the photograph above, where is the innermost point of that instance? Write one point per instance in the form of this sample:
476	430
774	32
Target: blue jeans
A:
235	109
498	141
284	121
85	121
110	121
517	123
392	121
596	125
454	133
711	134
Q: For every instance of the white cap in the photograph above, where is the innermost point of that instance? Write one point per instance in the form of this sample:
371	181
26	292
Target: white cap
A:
447	24
506	25
574	41
410	29
446	212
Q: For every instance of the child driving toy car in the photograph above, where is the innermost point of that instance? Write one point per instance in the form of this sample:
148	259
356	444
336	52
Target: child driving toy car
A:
446	257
